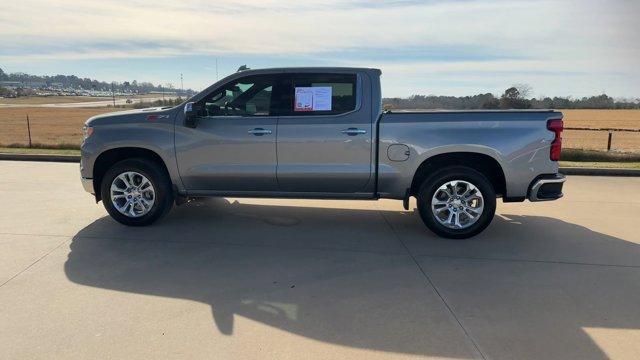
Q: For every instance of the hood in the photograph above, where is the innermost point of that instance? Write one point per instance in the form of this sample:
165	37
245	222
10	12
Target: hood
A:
130	116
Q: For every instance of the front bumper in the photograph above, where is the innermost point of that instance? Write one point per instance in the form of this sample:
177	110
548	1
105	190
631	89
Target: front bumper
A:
547	187
87	184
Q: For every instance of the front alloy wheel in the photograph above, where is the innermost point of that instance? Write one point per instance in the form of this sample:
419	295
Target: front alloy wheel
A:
132	194
136	191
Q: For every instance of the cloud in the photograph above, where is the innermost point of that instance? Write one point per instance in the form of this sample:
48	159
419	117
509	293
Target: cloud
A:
404	37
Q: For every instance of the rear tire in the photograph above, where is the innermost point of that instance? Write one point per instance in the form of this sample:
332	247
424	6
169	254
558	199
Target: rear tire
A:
447	211
155	195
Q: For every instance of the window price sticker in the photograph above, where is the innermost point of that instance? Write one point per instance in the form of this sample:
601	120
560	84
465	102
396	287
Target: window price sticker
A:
313	99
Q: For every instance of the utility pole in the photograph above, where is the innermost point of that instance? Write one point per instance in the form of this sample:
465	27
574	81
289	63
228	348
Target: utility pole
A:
29	130
181	84
113	95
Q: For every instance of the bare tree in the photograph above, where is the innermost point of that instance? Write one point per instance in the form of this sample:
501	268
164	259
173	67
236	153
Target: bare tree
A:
525	90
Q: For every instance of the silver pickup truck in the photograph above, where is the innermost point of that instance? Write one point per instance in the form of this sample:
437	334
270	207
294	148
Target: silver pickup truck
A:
320	133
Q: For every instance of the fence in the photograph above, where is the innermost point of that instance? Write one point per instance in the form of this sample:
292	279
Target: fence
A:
45	127
609	139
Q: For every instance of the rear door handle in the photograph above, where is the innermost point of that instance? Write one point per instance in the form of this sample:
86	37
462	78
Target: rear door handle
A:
259	131
353	131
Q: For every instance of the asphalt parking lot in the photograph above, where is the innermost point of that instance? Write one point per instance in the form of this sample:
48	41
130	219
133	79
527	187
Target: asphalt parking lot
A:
299	279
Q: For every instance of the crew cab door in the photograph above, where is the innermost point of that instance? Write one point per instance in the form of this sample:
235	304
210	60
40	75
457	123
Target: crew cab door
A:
233	146
325	135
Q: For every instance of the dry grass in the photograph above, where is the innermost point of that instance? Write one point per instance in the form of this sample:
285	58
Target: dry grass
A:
55	126
51	126
600	164
619	119
597	140
38	100
11	150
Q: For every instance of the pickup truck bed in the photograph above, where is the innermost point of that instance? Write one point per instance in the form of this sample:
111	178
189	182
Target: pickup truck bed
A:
517	140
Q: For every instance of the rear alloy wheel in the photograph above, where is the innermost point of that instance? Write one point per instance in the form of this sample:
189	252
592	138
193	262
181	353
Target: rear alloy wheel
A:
456	202
136	192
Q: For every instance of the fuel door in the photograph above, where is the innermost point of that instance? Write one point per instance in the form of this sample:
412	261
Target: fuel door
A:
398	152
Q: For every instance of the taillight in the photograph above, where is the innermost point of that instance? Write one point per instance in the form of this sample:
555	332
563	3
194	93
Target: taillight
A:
556	125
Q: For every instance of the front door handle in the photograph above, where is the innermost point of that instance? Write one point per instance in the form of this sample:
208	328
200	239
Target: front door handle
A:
353	131
259	131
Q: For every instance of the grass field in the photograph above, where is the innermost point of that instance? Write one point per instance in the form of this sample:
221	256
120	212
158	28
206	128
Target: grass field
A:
11	150
601	165
597	140
51	126
54	126
619	119
38	100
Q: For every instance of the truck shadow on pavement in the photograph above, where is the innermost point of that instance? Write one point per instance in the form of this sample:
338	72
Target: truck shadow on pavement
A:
345	276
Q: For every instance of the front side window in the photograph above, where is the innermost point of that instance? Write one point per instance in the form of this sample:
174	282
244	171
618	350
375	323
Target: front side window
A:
250	96
322	94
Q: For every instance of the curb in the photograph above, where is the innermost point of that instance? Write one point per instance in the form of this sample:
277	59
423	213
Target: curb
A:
40	157
563	170
599	172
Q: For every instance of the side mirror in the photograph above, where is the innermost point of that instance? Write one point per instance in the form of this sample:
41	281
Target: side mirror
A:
190	118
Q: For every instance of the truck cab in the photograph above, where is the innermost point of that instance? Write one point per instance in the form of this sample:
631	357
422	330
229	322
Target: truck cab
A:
247	136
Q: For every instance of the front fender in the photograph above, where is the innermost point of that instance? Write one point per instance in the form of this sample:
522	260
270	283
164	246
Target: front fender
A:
156	136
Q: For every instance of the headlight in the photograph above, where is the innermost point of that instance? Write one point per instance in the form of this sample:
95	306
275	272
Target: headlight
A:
86	132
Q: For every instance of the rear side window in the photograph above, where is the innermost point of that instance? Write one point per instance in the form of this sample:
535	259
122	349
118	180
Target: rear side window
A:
321	94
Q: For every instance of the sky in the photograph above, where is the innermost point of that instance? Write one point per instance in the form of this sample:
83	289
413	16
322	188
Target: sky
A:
559	48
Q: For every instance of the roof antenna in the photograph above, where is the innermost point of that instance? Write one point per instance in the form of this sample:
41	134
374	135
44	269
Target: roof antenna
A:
242	68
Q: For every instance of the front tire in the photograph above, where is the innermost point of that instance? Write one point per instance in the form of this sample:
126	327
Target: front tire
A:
456	202
136	192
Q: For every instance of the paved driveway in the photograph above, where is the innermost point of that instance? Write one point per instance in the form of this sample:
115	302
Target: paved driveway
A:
298	279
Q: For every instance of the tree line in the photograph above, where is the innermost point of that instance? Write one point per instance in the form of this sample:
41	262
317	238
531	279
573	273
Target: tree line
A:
74	82
515	97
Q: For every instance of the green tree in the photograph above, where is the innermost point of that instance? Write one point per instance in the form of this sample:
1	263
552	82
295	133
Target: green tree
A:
4	92
512	99
491	103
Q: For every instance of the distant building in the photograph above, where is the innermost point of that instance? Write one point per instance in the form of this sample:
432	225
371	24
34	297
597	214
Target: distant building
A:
23	84
11	84
36	84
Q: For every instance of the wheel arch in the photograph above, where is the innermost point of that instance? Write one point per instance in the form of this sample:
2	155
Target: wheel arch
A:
109	157
483	163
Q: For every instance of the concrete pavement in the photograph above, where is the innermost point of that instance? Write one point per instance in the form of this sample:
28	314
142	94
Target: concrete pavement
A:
292	279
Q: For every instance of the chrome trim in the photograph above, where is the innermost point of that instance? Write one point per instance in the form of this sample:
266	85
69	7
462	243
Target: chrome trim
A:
533	194
353	131
87	184
259	131
188	107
